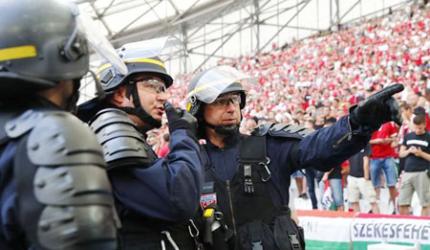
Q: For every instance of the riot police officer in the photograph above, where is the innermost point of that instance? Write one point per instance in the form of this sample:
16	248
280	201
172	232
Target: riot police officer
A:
155	197
247	178
54	190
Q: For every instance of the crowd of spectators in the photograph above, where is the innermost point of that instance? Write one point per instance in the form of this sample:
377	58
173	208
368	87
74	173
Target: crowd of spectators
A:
311	81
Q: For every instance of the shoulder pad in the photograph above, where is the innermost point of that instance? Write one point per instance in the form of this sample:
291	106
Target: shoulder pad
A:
107	117
59	138
282	130
24	123
61	178
5	118
262	130
120	139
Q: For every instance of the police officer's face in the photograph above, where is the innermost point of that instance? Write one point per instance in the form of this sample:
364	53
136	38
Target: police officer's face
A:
224	111
152	94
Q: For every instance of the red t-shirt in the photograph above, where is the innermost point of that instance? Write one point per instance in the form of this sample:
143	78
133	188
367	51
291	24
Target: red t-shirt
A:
384	150
427	122
164	150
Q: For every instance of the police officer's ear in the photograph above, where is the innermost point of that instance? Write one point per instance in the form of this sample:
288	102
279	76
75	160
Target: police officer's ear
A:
121	97
59	94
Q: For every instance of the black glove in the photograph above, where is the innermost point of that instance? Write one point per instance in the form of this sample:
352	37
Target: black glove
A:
180	119
376	110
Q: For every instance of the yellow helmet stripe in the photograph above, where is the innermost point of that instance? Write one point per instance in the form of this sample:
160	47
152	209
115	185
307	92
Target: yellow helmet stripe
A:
146	60
13	53
103	67
198	89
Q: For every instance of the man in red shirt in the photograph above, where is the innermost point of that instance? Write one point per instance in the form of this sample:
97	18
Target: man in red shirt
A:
382	158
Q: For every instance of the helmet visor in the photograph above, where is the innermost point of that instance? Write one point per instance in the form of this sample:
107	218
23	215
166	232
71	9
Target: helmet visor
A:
213	82
159	47
99	42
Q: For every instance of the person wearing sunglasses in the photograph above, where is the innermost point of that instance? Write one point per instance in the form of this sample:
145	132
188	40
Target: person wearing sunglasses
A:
155	197
245	195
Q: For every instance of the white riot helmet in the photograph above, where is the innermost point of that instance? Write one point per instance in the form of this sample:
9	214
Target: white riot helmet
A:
208	85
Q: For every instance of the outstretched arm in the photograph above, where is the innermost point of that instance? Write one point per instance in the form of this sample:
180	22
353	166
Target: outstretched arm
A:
330	146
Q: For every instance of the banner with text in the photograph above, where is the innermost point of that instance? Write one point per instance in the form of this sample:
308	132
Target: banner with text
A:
390	229
328	230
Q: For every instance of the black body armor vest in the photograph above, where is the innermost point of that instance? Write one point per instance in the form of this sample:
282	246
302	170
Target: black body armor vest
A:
124	146
245	212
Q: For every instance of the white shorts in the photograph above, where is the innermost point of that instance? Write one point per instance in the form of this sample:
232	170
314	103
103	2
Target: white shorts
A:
357	186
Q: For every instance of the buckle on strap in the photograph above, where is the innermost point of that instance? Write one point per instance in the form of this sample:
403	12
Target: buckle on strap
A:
247	175
295	243
265	173
257	245
169	239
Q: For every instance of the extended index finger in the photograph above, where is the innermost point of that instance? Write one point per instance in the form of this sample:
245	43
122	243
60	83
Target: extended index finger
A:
387	92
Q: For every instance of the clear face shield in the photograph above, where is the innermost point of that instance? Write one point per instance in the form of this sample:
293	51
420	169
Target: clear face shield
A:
210	84
162	48
99	42
104	51
148	51
145	59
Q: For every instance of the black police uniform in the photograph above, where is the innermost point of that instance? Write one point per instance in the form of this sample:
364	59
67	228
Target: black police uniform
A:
248	182
155	197
54	191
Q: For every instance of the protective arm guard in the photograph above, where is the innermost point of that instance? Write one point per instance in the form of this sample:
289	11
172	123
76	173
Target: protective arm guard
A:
64	195
282	130
322	149
328	146
292	135
122	144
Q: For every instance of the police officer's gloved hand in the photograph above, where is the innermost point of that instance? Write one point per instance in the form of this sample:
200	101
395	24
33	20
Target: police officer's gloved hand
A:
180	119
376	110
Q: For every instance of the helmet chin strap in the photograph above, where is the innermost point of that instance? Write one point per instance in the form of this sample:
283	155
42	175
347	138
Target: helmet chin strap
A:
140	112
